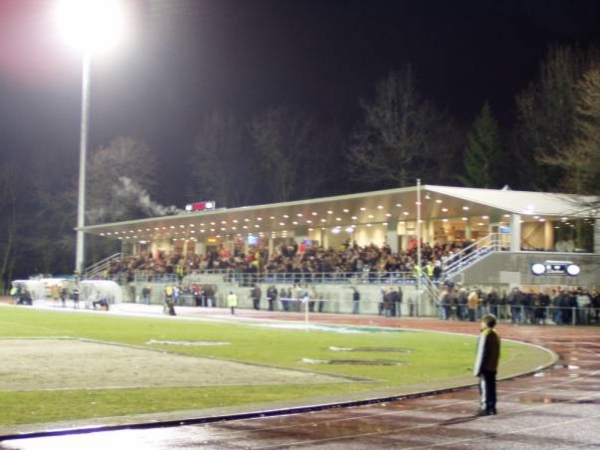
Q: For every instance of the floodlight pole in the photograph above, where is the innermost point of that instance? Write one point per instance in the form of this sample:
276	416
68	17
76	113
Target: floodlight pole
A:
85	92
419	266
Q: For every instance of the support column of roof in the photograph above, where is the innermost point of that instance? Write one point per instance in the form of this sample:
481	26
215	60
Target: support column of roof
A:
392	234
597	235
515	232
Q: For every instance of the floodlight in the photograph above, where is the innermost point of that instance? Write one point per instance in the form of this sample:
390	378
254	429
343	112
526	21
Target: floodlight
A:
91	25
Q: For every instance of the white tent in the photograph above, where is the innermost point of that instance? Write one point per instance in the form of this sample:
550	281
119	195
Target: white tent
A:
93	290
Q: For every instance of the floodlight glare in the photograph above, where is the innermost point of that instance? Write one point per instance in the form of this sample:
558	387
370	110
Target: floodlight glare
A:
91	25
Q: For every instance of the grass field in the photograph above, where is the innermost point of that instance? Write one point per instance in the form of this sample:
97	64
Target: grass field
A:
422	358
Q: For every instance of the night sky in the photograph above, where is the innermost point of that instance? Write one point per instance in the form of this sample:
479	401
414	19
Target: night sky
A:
186	57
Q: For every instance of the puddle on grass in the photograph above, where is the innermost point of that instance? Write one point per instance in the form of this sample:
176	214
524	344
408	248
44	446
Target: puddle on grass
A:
190	343
356	362
371	349
332	328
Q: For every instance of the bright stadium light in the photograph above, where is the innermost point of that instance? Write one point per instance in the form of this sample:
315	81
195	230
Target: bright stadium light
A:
91	26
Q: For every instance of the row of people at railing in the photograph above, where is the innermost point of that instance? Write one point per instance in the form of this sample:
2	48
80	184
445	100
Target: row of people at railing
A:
562	305
298	264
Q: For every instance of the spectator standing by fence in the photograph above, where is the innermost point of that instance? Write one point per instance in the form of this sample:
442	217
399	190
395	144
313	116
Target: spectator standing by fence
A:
515	302
255	295
355	301
272	297
472	304
146	295
398	305
284	298
75	296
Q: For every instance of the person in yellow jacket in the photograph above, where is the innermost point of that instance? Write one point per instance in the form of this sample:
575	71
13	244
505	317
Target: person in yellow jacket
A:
417	271
429	270
472	304
169	300
232	301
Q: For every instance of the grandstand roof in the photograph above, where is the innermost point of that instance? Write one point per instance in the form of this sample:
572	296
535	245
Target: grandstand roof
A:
437	202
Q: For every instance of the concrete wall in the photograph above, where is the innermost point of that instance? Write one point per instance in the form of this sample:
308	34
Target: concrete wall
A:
513	269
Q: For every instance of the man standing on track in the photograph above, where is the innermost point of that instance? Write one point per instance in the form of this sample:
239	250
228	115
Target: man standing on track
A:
486	365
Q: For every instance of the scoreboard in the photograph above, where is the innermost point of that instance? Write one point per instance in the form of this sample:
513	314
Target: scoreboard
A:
200	206
555	268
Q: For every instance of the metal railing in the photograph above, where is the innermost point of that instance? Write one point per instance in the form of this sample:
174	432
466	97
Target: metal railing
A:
430	288
472	254
96	270
298	278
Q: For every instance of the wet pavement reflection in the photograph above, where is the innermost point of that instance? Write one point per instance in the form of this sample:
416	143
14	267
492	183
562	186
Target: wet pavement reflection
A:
555	408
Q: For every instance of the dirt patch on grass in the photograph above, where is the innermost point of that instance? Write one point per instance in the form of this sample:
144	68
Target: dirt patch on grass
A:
49	364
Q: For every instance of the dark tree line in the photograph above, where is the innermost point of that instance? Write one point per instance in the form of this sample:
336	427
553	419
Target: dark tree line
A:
282	154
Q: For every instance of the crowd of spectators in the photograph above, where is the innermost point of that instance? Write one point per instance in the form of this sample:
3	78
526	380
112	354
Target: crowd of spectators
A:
561	305
297	262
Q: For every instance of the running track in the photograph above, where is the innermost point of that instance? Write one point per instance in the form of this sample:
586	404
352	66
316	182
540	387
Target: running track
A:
556	408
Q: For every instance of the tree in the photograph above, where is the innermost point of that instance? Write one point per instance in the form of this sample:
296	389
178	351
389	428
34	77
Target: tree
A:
8	222
580	161
402	136
222	169
482	158
117	175
48	213
547	114
284	141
